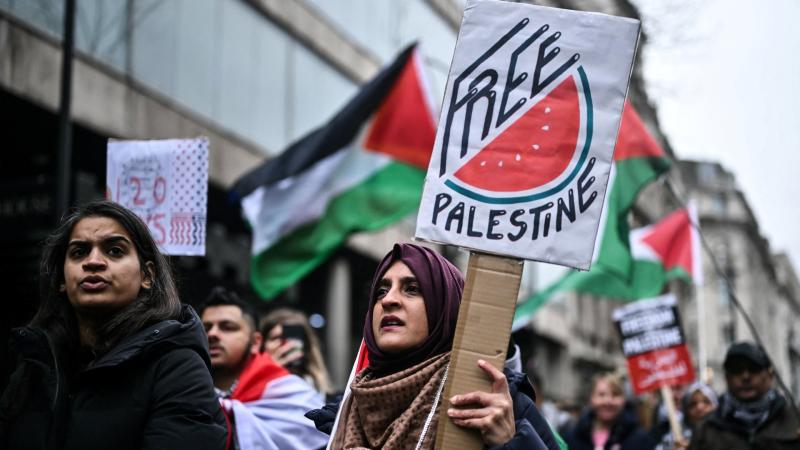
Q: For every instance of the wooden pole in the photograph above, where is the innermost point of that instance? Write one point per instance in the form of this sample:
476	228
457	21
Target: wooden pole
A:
482	332
672	413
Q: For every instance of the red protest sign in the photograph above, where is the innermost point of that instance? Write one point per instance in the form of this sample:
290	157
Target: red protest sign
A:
653	343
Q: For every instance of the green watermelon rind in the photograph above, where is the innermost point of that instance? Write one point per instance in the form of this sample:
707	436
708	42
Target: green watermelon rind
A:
587	144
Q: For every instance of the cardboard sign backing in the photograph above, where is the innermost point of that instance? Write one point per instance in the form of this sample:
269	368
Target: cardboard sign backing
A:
482	332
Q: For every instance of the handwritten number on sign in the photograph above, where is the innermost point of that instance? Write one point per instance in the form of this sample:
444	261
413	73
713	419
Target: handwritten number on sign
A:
154	223
159	190
159	197
137	199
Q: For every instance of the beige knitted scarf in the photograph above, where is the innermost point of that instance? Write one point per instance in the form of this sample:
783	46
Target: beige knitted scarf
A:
390	412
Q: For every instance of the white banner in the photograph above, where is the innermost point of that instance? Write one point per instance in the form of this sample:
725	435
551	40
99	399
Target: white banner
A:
166	184
527	131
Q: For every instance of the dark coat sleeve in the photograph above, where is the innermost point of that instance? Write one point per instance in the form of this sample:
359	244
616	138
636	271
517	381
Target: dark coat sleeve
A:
532	430
185	412
325	417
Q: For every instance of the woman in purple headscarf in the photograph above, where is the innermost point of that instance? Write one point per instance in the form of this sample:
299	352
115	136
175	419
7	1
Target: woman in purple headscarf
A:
408	332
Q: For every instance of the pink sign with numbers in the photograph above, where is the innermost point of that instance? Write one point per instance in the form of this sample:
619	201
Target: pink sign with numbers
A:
166	184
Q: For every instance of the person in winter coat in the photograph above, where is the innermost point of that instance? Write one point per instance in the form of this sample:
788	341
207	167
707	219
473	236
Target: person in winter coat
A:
697	403
394	402
111	360
752	415
264	403
609	424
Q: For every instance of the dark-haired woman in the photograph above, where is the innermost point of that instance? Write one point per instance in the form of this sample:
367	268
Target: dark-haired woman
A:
111	360
408	332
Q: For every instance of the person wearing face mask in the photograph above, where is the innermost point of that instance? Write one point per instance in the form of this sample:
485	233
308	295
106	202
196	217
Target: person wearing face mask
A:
608	424
394	402
752	414
111	360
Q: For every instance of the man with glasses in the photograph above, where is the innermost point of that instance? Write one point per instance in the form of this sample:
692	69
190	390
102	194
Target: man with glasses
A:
752	414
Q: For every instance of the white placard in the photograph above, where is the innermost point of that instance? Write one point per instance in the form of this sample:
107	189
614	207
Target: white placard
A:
166	184
527	131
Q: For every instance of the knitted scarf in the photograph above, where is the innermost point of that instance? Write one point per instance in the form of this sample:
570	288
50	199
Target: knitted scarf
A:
750	414
390	412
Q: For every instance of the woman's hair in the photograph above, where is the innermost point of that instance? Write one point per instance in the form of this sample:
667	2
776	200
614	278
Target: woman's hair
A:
313	364
56	316
613	380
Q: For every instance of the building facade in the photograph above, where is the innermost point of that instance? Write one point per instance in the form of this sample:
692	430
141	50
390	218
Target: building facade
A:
255	75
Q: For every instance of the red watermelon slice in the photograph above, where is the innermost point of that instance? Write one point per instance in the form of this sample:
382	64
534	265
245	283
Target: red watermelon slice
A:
532	151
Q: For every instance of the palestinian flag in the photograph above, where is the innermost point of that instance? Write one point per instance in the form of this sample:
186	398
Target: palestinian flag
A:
362	171
267	407
669	249
638	160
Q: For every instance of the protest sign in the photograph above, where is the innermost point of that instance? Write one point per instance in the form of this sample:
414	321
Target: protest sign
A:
166	184
653	343
526	136
520	163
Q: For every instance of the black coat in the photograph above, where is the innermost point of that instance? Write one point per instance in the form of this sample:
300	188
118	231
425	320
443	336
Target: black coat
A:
153	390
625	434
781	431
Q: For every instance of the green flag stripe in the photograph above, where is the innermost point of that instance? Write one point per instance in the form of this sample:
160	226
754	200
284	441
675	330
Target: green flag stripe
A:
614	273
386	197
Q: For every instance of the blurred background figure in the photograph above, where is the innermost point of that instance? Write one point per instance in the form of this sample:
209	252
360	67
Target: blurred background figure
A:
609	423
659	419
752	414
292	342
699	401
264	403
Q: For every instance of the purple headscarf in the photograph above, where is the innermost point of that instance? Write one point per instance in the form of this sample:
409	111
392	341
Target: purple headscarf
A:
441	284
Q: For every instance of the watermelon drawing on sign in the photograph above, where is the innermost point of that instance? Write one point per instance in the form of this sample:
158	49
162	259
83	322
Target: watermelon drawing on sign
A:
547	134
535	151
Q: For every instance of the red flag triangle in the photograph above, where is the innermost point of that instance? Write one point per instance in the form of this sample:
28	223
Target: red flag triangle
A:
404	127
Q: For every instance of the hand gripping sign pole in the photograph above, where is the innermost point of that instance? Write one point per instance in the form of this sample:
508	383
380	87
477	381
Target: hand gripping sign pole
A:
521	164
482	332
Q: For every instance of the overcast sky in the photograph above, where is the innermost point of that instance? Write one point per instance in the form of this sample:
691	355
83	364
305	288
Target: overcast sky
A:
725	76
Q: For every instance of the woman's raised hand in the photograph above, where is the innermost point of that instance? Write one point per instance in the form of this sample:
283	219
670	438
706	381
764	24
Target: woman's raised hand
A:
490	413
287	353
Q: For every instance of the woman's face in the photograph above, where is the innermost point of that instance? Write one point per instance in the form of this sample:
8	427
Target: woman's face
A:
399	319
699	406
101	267
606	403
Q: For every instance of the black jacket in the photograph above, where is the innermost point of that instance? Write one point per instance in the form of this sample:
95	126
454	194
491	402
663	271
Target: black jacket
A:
781	431
153	390
625	434
532	430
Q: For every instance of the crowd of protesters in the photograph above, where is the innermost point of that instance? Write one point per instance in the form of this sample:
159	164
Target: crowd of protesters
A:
113	359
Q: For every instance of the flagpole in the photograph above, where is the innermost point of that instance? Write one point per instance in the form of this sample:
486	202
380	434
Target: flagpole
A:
734	298
701	338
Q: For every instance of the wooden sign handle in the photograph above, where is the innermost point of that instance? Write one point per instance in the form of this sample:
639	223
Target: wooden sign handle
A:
672	413
482	332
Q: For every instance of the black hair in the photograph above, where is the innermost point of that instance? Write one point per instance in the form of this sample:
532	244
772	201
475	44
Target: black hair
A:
56	316
220	296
